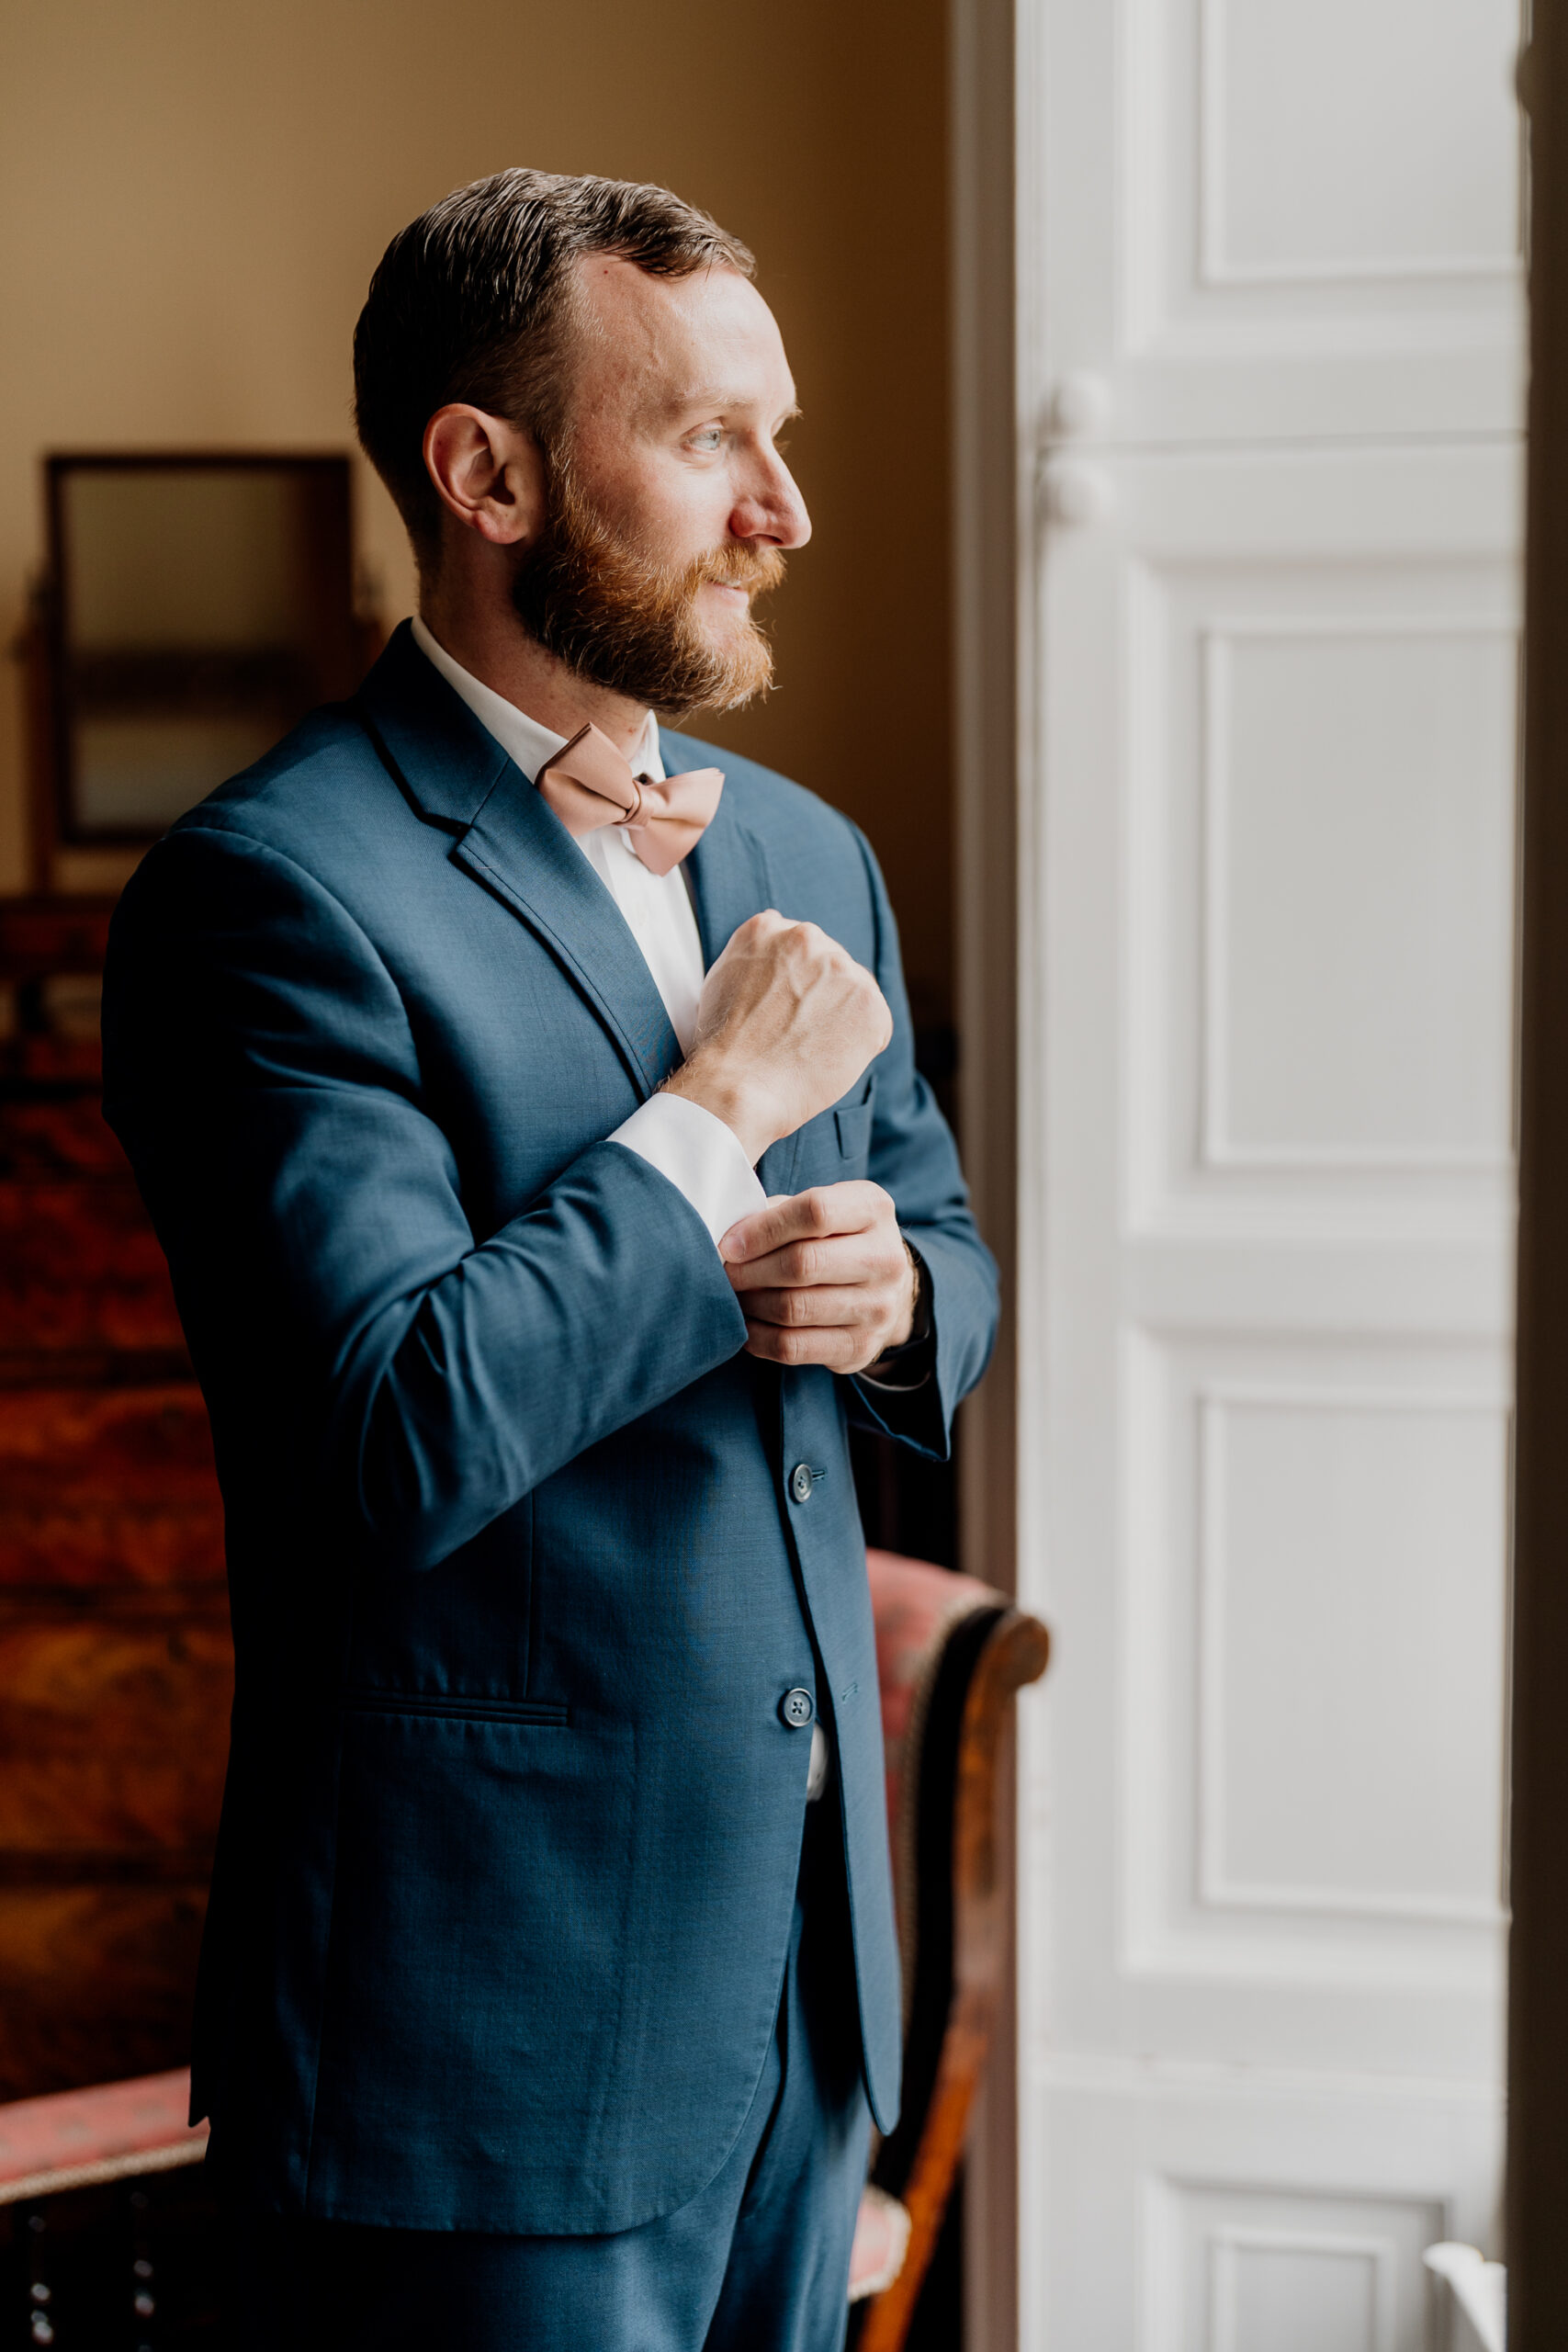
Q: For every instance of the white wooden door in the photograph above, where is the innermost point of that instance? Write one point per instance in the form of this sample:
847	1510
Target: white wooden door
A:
1270	256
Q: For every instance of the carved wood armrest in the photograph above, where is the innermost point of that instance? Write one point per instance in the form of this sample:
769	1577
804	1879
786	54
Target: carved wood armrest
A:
1015	1653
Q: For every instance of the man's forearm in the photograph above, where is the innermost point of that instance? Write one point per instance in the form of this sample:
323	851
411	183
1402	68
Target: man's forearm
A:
593	1308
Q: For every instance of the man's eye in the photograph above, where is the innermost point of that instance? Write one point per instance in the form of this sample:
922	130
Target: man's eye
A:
708	438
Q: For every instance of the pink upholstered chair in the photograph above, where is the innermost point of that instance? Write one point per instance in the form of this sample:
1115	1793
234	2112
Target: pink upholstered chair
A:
106	2235
950	1653
114	2131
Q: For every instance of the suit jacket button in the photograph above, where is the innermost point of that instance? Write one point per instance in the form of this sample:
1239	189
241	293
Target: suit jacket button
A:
800	1482
797	1707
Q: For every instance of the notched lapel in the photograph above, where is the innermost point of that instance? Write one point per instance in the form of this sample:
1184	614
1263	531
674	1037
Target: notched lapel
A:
728	870
461	778
517	847
445	761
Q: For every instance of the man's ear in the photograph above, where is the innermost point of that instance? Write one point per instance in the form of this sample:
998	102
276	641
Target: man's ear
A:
488	474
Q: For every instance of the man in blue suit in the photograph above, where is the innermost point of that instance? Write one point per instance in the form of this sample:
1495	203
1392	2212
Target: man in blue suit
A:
550	1983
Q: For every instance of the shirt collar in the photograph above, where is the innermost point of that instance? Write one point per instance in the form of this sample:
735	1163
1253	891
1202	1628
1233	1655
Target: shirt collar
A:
522	738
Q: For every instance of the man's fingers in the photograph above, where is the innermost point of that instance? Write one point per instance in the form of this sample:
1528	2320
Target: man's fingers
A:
839	1349
825	1209
840	1257
797	1309
814	1271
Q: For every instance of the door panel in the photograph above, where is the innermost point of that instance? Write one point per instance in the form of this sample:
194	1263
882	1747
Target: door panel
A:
1271	314
1262	222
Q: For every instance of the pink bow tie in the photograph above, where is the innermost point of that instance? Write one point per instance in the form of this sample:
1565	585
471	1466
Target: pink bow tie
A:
589	785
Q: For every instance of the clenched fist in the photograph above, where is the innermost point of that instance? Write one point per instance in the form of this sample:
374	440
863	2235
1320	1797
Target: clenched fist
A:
786	1023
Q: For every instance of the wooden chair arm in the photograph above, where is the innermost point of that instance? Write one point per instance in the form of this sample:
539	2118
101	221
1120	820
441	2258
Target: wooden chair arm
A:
1015	1653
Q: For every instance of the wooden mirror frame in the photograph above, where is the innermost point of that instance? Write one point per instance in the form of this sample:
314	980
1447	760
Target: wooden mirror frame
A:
341	641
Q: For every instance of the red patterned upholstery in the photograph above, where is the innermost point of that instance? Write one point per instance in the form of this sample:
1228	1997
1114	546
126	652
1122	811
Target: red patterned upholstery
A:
918	1608
111	2132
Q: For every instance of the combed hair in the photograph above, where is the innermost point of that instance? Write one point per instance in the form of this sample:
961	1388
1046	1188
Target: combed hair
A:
468	303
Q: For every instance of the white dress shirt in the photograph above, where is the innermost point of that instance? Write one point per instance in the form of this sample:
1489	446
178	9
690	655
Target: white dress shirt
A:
695	1151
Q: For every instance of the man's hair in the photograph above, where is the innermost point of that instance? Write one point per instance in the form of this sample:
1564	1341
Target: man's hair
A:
470	302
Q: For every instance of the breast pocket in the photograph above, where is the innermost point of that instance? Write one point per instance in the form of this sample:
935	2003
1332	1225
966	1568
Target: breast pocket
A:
851	1121
833	1145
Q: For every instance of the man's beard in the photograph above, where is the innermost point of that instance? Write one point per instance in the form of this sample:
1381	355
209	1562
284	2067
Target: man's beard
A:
621	621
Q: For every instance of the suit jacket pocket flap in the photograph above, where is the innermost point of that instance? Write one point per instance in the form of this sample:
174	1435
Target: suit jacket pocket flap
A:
853	1122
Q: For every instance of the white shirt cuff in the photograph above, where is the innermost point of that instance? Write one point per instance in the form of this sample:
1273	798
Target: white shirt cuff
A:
701	1157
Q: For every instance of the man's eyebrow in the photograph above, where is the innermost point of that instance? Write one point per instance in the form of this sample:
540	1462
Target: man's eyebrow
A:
716	396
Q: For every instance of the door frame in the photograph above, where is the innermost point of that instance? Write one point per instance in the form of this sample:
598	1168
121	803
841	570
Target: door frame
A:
1538	2016
993	469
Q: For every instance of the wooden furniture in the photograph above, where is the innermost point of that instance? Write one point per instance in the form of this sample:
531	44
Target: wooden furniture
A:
109	2231
114	2131
194	606
115	1665
950	1655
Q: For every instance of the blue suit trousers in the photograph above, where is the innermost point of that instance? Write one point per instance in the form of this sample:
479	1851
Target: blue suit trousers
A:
758	2261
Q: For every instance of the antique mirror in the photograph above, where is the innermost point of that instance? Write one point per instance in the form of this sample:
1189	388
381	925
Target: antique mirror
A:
196	607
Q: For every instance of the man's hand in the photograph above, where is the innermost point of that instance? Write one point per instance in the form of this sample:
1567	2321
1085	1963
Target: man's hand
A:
786	1023
823	1277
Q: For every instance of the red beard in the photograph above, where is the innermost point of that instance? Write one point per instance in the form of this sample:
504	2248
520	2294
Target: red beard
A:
619	620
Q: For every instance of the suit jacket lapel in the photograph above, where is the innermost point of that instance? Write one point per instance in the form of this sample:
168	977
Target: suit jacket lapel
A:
521	850
728	874
511	842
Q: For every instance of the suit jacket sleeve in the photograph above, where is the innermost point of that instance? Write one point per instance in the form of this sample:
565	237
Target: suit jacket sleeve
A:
913	1156
261	1071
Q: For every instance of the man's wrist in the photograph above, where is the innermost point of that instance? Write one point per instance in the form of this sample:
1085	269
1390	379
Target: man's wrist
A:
919	1310
744	1110
900	1371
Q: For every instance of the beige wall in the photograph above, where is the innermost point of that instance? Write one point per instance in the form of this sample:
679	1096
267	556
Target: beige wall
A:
193	194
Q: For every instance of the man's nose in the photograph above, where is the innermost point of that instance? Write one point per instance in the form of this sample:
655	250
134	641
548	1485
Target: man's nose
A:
773	510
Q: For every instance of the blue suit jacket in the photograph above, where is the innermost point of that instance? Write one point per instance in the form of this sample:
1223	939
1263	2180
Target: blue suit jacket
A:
507	1860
